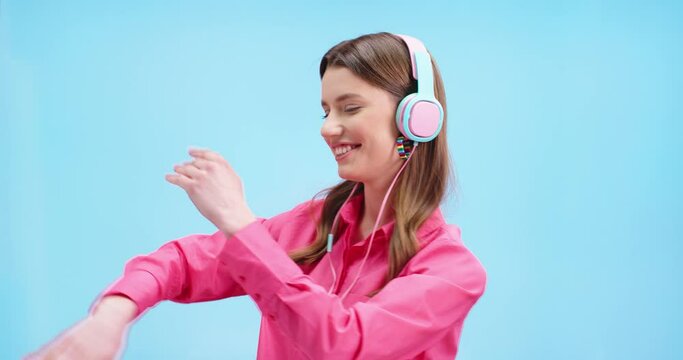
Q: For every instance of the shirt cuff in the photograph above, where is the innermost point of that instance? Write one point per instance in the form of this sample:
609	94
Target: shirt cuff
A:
140	286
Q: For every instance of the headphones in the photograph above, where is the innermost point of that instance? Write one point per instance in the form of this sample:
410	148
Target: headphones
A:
419	116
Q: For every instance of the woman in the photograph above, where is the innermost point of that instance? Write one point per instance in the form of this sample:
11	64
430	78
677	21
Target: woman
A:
338	277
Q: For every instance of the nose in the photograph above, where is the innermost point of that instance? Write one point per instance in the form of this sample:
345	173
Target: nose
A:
330	128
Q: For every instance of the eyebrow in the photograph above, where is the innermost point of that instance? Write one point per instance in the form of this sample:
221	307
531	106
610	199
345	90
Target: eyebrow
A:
342	97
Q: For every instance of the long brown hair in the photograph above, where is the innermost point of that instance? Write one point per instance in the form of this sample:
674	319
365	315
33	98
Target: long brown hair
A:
383	60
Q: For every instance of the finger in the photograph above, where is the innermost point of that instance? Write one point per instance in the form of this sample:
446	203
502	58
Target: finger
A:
206	165
180	180
219	159
190	170
201	153
191	163
207	154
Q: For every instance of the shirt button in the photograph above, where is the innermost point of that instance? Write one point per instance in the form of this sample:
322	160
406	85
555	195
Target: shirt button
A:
257	297
271	317
242	278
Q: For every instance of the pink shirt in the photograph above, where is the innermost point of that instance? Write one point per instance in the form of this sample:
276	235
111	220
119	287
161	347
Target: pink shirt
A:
418	315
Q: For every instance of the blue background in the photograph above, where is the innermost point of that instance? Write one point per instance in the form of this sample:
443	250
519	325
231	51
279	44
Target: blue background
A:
564	125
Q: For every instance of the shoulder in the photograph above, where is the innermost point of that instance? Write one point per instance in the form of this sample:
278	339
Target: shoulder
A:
446	256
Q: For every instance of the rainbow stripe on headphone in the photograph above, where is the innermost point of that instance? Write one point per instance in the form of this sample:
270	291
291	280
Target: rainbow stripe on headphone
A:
404	147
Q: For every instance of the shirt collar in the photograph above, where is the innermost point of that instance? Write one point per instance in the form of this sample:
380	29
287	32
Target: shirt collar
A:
350	213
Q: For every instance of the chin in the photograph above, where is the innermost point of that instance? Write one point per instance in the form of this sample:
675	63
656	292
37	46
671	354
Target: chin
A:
348	175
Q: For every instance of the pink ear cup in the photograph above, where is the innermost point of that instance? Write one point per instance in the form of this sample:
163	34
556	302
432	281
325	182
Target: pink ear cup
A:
401	112
424	119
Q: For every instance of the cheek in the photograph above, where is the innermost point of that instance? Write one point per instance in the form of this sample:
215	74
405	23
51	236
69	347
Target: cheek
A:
382	140
379	154
377	132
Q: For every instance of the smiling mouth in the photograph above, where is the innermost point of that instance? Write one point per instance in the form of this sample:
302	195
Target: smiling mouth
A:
353	148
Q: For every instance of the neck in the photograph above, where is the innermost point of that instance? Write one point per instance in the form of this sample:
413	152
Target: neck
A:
373	196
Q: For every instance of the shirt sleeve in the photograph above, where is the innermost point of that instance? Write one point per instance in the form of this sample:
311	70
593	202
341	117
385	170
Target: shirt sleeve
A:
189	269
409	315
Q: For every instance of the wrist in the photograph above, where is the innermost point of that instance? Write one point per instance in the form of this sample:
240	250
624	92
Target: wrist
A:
119	309
232	227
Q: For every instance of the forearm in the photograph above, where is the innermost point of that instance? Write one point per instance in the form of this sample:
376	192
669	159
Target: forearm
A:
185	270
120	310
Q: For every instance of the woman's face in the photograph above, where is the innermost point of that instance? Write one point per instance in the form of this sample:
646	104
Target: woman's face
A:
360	115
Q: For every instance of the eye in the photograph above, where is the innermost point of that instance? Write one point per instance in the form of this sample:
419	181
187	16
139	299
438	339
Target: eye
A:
348	109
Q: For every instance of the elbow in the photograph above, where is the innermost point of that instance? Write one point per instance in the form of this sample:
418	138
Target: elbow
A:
342	339
338	338
479	278
475	276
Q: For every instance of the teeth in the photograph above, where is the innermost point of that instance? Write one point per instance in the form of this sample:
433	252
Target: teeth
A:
341	150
